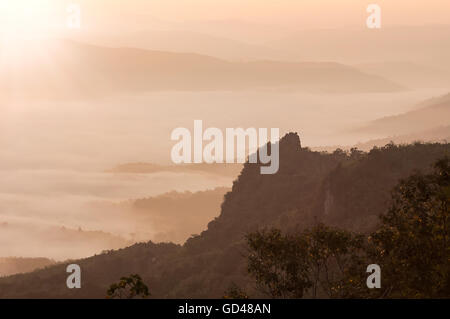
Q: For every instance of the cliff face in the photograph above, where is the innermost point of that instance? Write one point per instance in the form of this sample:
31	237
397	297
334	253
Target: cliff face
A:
260	200
347	190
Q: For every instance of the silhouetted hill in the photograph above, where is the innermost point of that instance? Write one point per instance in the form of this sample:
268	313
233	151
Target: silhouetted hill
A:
436	135
439	134
347	189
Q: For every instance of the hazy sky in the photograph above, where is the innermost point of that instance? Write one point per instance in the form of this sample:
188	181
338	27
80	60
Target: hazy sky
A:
117	15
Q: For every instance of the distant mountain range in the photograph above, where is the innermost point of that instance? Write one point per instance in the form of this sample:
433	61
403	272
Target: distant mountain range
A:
436	135
412	75
422	46
184	41
439	135
426	45
430	115
429	121
67	68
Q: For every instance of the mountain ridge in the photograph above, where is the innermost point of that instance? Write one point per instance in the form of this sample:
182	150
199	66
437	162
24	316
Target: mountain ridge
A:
94	71
293	199
428	115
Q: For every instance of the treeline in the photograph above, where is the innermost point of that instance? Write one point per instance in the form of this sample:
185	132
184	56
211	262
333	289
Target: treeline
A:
411	247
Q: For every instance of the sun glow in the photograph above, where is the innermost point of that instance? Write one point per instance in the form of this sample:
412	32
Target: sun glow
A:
22	25
26	17
25	27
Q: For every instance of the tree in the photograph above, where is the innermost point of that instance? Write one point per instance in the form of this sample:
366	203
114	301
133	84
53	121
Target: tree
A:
412	244
323	261
279	263
336	262
235	292
128	288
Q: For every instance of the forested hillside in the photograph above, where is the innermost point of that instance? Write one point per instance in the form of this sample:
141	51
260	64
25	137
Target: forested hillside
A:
348	190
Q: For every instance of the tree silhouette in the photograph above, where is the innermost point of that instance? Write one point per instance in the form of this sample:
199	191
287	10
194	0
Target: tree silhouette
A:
235	292
412	244
128	288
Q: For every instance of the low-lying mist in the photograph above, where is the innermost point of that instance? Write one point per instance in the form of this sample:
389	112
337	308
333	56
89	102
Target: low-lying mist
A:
69	214
59	198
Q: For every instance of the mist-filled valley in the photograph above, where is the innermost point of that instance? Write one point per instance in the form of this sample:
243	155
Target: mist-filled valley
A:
59	188
87	114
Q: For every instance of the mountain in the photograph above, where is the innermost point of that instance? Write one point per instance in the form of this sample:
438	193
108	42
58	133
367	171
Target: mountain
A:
174	224
429	115
440	134
159	218
411	75
436	135
15	265
428	122
425	45
422	45
183	41
345	189
67	68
